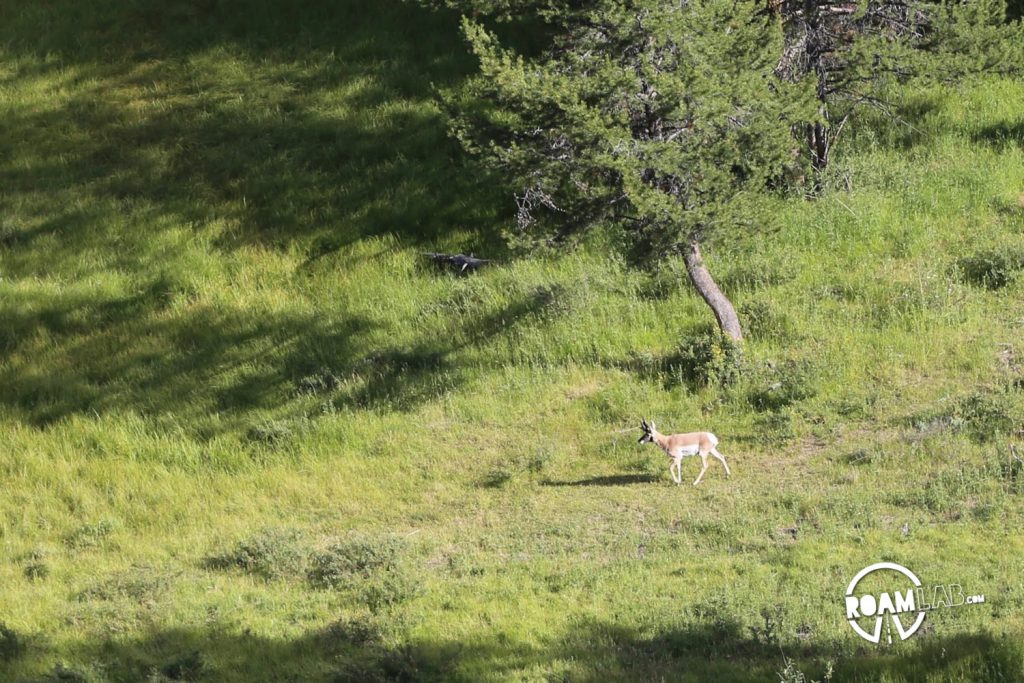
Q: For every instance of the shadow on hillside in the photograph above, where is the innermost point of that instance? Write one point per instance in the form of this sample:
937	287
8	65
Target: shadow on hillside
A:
74	355
1001	134
354	651
211	367
402	378
310	123
299	126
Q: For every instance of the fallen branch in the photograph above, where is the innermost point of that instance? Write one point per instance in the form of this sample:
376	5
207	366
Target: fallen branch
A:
458	262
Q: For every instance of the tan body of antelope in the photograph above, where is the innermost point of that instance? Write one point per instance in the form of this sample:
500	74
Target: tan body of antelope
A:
679	446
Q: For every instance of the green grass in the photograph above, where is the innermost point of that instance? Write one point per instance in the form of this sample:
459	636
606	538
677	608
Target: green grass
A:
247	434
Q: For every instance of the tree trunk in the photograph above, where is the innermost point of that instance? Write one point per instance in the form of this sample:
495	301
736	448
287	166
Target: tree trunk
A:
724	311
818	140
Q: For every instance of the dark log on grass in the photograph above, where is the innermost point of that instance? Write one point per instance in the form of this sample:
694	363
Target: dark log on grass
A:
457	262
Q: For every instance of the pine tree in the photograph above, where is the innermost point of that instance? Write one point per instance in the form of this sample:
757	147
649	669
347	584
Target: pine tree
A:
856	49
853	49
663	119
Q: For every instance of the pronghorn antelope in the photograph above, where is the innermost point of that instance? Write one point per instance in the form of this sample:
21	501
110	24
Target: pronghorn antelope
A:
679	446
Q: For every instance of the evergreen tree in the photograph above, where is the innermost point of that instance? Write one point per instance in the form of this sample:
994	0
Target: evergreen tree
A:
856	50
664	119
853	49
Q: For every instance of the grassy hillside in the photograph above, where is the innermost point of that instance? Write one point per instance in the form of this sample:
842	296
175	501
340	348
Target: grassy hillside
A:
247	434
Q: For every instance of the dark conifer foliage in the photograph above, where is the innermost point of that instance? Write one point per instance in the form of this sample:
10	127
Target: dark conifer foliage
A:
665	118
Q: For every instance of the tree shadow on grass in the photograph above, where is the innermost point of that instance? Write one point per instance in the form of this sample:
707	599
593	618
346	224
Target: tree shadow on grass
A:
610	480
903	125
1001	134
593	651
311	125
401	377
234	125
82	354
214	368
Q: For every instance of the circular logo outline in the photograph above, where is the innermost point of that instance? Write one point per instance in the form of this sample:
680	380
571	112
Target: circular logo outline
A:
876	634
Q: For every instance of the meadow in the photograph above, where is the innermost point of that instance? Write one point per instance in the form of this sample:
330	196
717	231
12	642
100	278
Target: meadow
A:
247	432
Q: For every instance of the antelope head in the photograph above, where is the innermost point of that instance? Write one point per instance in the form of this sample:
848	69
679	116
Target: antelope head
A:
649	430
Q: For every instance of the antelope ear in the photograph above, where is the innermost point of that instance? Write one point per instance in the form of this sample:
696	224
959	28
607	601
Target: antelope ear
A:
653	428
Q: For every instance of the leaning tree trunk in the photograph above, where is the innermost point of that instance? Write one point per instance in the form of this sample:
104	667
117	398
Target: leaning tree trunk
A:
725	313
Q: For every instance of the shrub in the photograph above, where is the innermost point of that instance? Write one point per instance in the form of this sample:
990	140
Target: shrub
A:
89	535
373	568
271	433
186	668
538	461
62	674
985	415
400	664
322	381
35	566
137	584
992	268
358	631
497	477
346	561
388	589
36	571
708	359
982	415
270	554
